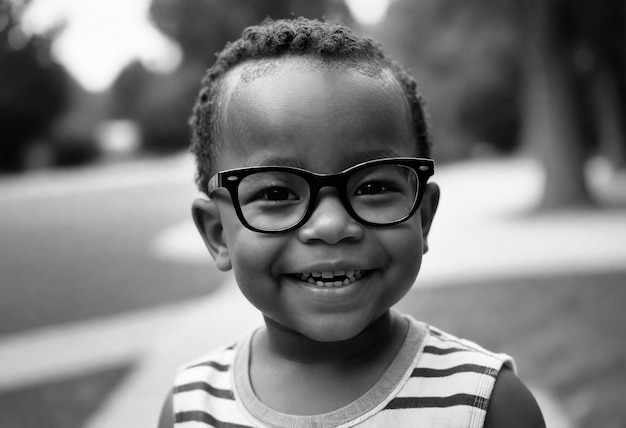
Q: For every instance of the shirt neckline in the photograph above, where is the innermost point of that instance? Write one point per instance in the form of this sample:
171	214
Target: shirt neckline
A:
377	397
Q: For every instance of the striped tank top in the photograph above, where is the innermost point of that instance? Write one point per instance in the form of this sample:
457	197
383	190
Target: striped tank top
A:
436	380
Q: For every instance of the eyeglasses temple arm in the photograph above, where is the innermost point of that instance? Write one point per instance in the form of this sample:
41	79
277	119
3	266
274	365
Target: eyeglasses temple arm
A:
214	183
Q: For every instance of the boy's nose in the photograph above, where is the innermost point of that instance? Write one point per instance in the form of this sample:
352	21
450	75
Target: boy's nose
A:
330	222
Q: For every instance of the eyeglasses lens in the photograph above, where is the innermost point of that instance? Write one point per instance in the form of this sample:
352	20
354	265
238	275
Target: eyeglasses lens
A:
273	200
383	194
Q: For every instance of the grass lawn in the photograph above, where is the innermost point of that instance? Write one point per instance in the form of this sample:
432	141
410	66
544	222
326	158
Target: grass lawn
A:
566	334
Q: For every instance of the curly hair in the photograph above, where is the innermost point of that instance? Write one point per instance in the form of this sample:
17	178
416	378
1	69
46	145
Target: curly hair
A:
284	38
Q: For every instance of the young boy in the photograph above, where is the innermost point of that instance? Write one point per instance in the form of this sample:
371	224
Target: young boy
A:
312	147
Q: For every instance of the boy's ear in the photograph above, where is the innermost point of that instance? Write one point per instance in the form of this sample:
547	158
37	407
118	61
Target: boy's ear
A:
207	218
428	209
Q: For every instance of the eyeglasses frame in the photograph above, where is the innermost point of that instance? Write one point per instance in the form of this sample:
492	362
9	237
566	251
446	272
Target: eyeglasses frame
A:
230	179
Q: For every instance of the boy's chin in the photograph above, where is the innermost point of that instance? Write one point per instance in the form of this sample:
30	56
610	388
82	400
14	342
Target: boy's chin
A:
334	328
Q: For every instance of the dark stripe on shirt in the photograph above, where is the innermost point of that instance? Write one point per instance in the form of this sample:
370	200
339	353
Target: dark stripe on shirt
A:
463	368
198	416
459	342
439	402
435	332
442	351
215	392
217	366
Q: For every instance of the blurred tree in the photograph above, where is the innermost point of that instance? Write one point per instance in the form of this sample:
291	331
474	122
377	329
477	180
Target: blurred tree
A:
469	73
546	75
202	27
127	90
74	136
575	91
33	88
161	104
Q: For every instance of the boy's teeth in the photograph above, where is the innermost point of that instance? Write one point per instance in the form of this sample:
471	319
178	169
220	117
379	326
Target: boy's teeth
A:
331	279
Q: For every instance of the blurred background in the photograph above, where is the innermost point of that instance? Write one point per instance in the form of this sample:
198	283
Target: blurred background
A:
98	256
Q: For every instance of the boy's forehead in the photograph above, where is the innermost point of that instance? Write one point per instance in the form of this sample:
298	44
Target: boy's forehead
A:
251	77
290	102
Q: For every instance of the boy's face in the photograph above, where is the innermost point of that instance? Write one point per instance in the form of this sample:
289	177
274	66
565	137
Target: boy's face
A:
324	121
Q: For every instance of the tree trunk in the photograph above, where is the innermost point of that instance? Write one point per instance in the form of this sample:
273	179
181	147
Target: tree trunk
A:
552	130
609	118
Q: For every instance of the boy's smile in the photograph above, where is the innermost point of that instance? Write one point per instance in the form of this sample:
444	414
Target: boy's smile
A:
332	277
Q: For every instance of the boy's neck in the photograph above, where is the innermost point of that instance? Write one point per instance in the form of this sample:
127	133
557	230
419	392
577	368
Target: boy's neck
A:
293	346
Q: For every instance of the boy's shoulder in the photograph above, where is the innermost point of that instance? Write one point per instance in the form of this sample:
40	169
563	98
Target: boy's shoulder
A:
214	366
507	401
449	349
203	388
217	358
210	372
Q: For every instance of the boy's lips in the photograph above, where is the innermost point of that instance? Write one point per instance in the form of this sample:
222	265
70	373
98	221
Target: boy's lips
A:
331	279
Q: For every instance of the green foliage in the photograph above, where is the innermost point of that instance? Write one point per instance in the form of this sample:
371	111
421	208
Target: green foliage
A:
33	92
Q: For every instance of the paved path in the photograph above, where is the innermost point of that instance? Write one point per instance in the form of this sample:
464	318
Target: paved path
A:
480	229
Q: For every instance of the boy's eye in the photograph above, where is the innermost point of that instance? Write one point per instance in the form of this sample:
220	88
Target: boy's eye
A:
272	188
374	188
276	194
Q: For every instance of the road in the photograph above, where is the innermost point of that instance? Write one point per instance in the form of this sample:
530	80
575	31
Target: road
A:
80	244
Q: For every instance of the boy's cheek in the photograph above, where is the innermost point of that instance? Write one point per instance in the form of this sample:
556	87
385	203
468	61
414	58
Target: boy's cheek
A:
407	246
251	252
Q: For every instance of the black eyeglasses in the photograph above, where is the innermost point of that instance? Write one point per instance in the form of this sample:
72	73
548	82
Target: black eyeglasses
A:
275	199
